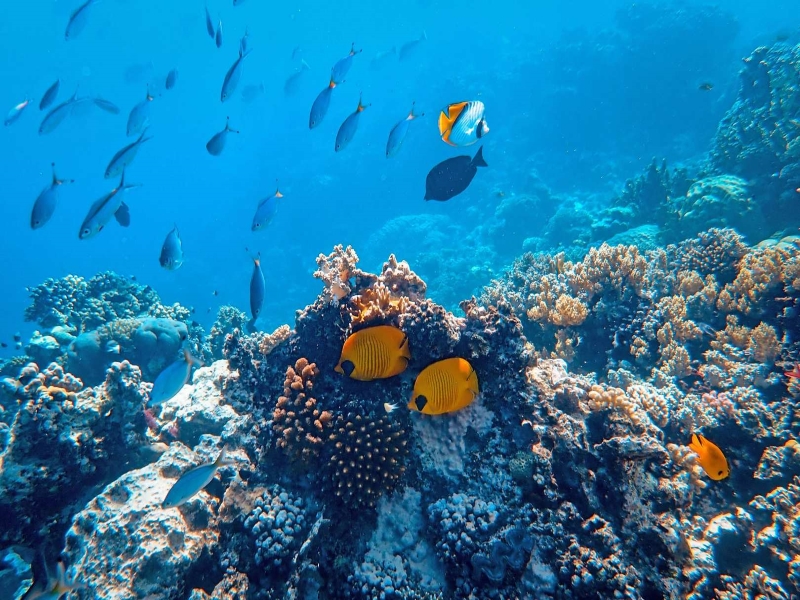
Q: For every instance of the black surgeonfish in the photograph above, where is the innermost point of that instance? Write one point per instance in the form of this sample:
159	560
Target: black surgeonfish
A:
452	176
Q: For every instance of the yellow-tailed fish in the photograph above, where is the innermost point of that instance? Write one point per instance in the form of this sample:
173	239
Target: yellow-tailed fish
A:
374	353
710	458
50	95
348	129
321	104
194	480
172	379
216	144
463	123
266	211
445	386
124	157
342	66
46	202
398	133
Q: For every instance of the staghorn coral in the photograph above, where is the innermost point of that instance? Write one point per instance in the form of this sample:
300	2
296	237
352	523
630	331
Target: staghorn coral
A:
368	455
299	423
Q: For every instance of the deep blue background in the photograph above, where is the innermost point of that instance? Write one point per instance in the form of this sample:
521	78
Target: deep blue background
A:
585	95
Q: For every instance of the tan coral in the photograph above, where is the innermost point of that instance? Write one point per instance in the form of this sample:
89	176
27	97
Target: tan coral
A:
335	270
570	312
268	343
376	303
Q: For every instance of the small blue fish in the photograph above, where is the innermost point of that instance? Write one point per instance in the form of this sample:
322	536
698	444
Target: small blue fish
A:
382	58
16	112
194	480
407	49
258	289
78	20
57	115
172	251
102	210
252	91
244	42
293	81
172	79
172	379
320	107
139	116
210	25
342	66
398	133
233	76
46	202
238	2
106	105
123	158
218	35
267	208
50	95
349	127
216	144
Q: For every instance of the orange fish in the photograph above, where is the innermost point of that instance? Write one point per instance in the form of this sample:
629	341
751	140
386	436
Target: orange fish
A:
445	386
374	353
794	373
710	458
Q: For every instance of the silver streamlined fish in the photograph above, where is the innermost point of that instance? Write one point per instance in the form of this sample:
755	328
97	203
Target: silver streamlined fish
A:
124	157
112	205
16	112
139	116
172	251
172	379
193	481
233	76
46	202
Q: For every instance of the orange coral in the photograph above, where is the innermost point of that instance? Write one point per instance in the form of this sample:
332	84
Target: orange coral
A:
376	303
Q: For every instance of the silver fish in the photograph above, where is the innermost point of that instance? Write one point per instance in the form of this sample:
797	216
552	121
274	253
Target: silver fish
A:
139	116
102	210
293	81
267	208
408	48
50	95
57	115
210	25
172	251
194	480
349	127
233	76
123	158
16	112
172	379
172	79
78	20
258	289
218	35
46	202
216	144
398	133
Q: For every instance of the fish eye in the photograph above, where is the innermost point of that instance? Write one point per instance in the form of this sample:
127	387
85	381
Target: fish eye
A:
720	473
420	402
348	367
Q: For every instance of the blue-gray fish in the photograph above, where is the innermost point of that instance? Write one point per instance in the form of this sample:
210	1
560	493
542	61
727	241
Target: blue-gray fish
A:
258	289
210	25
139	116
194	480
172	251
172	79
46	202
125	157
218	35
48	587
16	112
238	2
103	209
216	144
267	208
106	105
398	133
320	107
342	66
244	42
293	81
382	58
172	379
50	95
58	114
252	91
78	20
233	76
408	48
349	127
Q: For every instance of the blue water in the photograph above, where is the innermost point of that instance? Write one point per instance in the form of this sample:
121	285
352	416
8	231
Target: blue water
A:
580	95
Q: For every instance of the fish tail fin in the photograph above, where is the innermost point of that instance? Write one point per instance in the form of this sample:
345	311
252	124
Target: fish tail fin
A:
424	35
278	190
412	115
333	83
478	160
304	65
222	458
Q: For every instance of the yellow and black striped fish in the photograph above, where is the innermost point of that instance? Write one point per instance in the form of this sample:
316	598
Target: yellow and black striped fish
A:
445	386
463	123
374	353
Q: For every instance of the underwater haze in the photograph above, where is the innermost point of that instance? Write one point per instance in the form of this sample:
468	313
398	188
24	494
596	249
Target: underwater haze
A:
515	315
